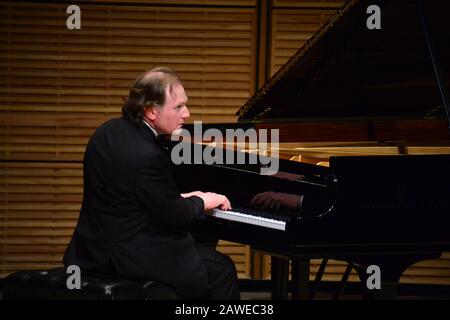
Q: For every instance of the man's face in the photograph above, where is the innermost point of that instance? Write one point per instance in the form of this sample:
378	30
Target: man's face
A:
170	117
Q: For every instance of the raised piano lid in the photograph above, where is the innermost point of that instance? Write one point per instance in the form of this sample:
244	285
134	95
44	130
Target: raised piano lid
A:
348	72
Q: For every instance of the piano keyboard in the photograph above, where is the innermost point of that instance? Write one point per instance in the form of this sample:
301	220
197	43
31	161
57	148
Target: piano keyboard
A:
254	219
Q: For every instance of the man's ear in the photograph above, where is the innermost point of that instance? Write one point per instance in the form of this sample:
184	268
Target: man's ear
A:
150	113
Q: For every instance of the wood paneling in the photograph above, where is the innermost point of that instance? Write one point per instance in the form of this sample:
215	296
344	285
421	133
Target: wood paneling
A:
57	79
241	256
329	4
179	3
58	85
39	207
291	28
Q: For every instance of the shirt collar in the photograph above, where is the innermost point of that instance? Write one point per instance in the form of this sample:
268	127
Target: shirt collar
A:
153	130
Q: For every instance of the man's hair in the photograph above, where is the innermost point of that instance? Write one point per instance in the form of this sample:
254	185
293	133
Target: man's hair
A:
148	90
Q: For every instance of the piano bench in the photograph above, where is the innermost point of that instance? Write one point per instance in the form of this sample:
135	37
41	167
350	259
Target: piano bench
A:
51	285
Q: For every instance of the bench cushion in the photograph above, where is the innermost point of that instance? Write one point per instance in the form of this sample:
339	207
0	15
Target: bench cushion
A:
51	285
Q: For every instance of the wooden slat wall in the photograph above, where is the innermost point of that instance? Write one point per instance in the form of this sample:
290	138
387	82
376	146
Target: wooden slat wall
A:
40	203
58	85
240	255
314	4
293	26
239	3
56	80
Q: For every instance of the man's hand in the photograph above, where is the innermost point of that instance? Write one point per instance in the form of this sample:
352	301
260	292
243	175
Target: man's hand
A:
190	194
275	200
212	200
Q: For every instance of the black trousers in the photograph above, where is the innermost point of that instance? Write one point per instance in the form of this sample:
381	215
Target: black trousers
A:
223	282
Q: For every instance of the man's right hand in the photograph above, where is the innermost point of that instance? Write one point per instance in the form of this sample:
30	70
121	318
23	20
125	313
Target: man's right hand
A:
214	200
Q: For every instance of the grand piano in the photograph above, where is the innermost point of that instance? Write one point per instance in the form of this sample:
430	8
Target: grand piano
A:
368	110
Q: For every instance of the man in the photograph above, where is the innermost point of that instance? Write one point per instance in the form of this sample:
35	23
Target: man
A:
132	217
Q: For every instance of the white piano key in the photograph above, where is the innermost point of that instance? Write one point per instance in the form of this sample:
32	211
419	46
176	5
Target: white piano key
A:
249	219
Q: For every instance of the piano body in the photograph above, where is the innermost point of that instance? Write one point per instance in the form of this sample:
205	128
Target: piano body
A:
373	107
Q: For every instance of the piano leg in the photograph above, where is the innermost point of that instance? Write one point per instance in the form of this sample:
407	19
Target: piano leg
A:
280	278
343	282
318	278
300	278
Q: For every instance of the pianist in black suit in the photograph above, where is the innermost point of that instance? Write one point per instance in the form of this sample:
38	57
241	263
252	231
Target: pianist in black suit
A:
132	221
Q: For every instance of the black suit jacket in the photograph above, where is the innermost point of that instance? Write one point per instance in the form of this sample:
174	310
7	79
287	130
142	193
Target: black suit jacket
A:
132	216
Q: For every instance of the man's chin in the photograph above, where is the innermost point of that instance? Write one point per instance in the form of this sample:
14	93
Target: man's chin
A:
177	131
179	134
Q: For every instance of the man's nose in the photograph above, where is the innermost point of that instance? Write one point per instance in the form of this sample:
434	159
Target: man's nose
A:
186	113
